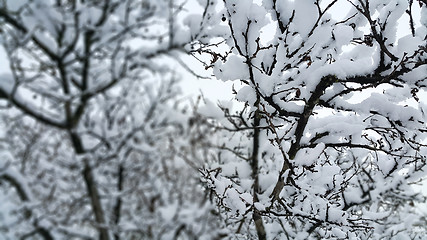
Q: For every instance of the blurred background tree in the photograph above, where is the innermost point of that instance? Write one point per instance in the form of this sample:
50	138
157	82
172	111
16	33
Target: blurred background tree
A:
95	140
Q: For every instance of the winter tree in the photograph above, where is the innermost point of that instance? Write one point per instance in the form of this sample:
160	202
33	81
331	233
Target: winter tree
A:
333	133
95	143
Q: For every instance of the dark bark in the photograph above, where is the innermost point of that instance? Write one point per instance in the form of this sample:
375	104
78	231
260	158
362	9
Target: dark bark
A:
324	83
117	207
95	200
259	225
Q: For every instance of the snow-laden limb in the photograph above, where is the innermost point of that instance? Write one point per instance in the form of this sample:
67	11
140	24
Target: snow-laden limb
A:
20	188
334	127
18	182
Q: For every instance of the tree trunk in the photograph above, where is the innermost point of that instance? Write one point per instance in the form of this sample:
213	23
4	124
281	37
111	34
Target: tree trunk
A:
117	207
95	201
92	190
259	225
